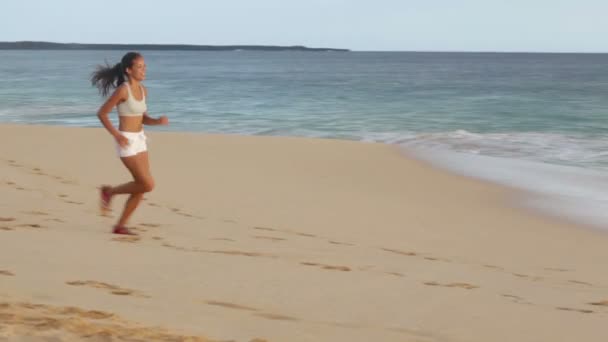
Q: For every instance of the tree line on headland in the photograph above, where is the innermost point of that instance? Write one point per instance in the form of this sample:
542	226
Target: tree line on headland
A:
32	45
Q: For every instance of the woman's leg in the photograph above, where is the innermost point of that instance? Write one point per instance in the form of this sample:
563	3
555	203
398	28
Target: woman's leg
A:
143	182
139	166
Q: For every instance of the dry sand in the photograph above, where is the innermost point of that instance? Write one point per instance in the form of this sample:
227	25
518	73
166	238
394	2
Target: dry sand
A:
281	239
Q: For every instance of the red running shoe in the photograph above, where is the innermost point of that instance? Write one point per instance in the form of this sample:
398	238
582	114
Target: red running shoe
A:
122	230
105	199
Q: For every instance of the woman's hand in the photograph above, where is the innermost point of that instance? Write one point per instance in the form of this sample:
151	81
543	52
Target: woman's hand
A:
163	120
121	140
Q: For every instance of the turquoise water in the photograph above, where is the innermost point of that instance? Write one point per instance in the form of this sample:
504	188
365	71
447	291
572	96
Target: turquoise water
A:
536	121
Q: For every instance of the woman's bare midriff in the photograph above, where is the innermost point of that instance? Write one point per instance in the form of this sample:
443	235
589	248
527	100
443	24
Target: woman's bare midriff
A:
130	123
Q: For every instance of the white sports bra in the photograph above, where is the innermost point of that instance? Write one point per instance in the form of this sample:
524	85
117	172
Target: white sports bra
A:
132	107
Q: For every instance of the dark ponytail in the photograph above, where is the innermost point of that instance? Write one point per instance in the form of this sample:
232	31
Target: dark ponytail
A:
106	77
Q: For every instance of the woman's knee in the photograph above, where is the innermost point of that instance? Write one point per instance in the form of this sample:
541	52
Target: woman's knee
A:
147	184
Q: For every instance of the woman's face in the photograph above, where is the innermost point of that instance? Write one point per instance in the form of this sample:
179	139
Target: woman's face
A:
137	71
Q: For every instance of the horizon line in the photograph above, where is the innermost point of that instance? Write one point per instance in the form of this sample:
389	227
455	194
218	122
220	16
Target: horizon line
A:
303	47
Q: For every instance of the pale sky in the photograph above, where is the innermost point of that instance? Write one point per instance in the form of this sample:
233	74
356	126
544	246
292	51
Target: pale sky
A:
363	25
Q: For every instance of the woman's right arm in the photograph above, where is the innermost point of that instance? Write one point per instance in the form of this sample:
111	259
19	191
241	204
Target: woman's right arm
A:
120	94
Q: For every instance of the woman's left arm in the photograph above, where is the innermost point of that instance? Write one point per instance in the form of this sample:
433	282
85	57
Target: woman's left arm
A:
162	120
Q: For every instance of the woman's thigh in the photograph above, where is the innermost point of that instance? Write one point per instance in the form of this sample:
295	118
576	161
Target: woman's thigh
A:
139	166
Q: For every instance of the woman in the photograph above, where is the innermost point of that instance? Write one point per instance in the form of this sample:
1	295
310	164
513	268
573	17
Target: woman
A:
129	97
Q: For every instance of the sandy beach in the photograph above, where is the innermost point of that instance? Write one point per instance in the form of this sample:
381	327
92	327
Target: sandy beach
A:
253	239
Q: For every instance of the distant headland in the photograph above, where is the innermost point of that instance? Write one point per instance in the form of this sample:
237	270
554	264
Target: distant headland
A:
32	45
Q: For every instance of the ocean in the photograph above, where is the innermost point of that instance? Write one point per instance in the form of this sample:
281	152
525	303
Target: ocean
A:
532	121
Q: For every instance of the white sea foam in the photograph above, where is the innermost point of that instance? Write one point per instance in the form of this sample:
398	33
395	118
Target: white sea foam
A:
570	192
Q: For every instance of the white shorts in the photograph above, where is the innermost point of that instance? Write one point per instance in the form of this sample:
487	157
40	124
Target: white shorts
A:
137	144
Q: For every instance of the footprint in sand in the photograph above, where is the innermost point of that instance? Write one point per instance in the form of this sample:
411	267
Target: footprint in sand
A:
271	238
230	305
14	185
113	289
408	253
181	213
465	286
266	228
239	253
396	274
30	225
340	243
600	303
578	282
222	239
575	310
139	229
150	225
39	172
516	299
7	273
366	268
305	234
6	219
493	267
168	245
327	267
36	213
256	312
129	239
275	317
396	251
301	234
556	269
285	231
525	276
226	252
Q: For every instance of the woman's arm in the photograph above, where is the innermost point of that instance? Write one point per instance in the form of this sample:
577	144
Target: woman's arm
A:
119	94
147	120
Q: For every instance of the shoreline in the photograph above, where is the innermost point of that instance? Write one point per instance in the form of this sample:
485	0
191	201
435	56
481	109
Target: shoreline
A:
285	239
553	206
514	194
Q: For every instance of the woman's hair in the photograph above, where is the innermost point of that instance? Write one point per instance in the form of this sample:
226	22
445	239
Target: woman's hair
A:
105	76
